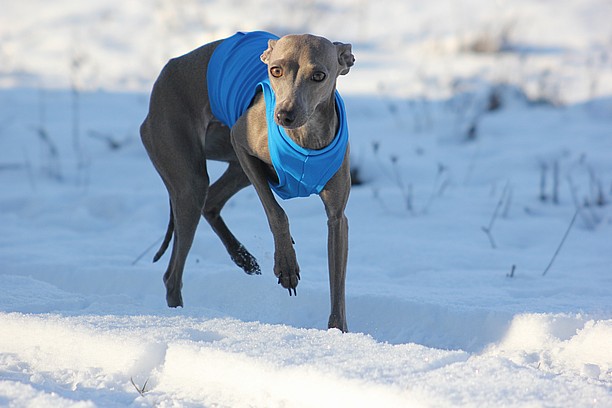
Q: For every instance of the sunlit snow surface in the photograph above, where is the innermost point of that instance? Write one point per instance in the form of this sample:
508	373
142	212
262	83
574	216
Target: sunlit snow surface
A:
438	316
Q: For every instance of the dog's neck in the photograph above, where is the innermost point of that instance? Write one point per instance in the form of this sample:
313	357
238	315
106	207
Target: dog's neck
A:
320	129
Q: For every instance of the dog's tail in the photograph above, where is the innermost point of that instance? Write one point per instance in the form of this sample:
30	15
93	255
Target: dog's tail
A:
167	238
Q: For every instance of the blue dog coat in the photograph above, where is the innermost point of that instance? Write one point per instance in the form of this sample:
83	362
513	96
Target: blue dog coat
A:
235	72
302	172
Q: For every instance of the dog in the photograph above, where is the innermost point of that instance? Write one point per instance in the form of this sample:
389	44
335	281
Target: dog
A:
232	100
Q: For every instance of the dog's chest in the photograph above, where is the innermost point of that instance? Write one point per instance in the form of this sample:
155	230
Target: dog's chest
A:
235	74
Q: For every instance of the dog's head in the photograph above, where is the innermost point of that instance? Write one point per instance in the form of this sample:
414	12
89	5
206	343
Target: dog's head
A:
303	71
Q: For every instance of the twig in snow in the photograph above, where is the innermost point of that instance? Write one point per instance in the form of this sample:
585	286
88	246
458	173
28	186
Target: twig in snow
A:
83	161
511	274
28	166
544	170
562	241
488	230
110	140
555	194
150	247
438	186
142	390
405	190
590	221
595	188
51	153
508	204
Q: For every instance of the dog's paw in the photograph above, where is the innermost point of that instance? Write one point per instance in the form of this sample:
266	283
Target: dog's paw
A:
174	298
246	261
289	282
287	271
337	322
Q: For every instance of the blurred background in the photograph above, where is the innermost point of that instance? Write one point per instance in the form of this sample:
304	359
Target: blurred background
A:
554	50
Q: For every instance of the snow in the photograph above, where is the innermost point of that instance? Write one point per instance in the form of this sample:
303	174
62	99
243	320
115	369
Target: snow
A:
438	316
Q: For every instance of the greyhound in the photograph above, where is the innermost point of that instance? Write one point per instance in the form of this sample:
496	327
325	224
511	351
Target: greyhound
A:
183	129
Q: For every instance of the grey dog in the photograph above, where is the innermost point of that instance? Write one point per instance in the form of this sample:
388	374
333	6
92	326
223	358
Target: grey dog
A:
181	132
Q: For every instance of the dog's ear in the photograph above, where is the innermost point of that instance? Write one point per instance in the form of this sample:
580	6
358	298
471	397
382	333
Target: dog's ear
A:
265	57
346	59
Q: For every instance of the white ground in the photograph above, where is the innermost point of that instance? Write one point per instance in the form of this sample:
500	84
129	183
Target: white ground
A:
436	315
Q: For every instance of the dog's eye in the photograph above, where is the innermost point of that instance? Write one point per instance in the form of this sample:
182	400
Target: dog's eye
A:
318	76
276	72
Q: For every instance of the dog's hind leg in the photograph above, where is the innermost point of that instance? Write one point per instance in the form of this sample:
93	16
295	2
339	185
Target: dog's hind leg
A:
233	180
182	167
186	211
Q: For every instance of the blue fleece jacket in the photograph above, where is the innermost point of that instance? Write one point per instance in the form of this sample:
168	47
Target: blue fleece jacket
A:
302	172
235	72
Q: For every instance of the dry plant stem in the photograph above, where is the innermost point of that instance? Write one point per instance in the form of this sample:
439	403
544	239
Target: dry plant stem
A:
142	390
511	274
508	204
569	227
82	163
437	188
488	230
589	222
29	171
596	188
406	190
150	247
108	138
76	123
544	169
555	197
490	236
51	153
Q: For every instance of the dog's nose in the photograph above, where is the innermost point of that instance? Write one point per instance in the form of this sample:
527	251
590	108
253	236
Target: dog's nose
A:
285	117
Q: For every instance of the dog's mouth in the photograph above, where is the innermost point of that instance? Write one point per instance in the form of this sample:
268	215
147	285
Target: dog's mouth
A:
290	126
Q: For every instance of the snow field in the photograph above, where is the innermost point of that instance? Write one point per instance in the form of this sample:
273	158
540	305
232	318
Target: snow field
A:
232	363
438	317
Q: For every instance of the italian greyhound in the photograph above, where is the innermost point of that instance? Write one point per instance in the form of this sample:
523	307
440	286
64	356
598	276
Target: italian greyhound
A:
181	131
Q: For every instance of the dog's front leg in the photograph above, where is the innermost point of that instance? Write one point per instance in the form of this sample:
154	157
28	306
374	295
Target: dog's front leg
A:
335	196
286	267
